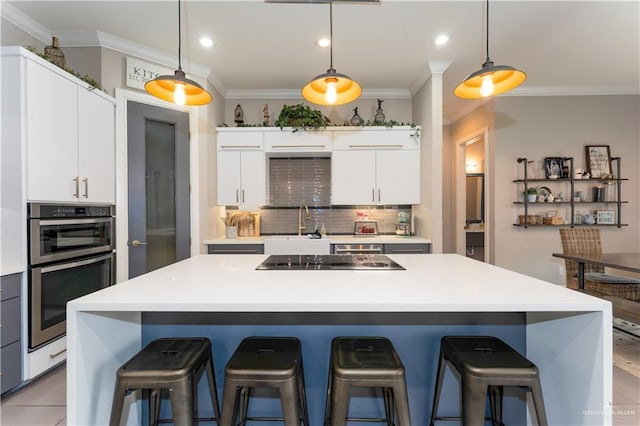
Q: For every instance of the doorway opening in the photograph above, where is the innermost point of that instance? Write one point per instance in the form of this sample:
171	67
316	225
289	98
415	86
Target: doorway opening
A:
471	205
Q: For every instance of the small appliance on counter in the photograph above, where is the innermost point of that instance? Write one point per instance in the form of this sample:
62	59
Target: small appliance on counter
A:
366	228
403	227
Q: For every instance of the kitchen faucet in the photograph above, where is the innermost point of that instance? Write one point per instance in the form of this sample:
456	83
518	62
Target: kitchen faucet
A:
300	227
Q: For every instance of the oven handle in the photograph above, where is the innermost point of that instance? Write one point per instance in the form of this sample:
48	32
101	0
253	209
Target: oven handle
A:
43	222
76	263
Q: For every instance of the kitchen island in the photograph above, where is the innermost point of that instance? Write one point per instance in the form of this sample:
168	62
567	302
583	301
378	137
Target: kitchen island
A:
565	333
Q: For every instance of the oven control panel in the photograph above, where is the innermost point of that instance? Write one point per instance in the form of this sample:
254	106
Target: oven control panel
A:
66	210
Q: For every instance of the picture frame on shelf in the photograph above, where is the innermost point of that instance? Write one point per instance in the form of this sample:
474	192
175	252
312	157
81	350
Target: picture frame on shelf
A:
553	168
606	217
598	159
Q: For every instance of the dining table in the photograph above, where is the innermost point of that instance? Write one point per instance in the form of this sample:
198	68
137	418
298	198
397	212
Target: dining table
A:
626	261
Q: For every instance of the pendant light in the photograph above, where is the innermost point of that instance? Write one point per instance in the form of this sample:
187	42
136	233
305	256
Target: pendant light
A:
491	79
177	88
331	88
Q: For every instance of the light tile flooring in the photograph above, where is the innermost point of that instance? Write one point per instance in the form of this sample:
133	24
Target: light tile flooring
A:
43	403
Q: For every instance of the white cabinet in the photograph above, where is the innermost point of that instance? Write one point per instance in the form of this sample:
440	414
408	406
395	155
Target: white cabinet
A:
375	167
286	141
241	178
70	139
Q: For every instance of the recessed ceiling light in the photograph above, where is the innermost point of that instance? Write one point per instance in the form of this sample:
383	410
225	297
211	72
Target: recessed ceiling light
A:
324	42
441	40
206	41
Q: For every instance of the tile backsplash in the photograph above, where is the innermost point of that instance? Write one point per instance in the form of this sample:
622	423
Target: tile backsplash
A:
336	219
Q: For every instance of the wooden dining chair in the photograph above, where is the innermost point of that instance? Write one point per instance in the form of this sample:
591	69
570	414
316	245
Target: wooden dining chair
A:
587	241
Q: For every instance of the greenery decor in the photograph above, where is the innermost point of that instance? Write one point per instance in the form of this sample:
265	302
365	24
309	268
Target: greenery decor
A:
87	79
301	117
533	190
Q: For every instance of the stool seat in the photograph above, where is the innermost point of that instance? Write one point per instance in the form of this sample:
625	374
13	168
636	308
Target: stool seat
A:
172	364
265	362
366	361
485	364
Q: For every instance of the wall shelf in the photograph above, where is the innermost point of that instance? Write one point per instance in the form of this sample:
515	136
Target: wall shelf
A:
570	184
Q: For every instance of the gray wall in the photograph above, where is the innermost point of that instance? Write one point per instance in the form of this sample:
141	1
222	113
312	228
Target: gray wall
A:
538	127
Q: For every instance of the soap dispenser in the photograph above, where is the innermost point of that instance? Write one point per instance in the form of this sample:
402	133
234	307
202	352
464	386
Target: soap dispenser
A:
323	230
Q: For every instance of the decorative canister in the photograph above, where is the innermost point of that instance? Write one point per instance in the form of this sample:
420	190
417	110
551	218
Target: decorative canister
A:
610	191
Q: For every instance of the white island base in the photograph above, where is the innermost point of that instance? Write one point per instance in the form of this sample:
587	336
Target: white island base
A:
565	333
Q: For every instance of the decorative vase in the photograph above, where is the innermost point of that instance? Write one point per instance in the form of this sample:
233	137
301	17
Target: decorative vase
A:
239	116
54	54
531	198
356	120
589	219
379	117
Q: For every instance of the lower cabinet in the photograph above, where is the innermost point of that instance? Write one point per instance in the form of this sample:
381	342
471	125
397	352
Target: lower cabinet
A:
10	352
407	248
235	249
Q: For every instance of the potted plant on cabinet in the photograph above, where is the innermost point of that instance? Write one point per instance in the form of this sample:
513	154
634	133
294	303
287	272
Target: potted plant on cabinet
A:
532	194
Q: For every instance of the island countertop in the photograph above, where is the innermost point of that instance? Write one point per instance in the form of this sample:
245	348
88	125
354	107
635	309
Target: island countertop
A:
430	283
567	334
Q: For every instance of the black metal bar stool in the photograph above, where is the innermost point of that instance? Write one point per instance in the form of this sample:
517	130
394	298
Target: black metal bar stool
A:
370	362
265	362
486	364
174	365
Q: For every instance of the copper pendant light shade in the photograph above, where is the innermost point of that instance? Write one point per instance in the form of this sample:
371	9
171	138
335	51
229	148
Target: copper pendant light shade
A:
177	88
332	87
491	79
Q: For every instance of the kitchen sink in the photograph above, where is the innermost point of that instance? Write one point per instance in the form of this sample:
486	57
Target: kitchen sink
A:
296	244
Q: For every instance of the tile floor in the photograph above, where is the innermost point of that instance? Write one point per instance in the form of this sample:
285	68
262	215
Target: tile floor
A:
43	403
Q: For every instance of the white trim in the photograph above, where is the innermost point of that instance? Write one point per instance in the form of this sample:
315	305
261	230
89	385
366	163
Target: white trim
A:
573	91
25	23
122	205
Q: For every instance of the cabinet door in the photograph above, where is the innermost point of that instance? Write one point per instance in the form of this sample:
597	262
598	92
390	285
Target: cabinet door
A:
228	178
96	148
353	177
252	179
52	135
398	177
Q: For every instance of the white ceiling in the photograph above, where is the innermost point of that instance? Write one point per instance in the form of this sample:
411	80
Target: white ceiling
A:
565	47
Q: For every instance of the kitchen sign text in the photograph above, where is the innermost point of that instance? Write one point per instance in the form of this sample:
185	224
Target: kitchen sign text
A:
139	72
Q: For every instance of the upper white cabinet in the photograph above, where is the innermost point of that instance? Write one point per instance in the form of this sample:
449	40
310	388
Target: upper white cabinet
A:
241	178
286	141
375	167
67	129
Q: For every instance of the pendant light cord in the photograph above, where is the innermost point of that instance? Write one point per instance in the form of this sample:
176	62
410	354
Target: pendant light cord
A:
179	38
487	30
331	34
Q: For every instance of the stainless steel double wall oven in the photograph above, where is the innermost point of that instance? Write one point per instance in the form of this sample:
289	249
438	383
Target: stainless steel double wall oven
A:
71	254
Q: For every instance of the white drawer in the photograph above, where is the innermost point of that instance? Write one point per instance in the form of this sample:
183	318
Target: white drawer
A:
286	141
376	139
237	140
45	358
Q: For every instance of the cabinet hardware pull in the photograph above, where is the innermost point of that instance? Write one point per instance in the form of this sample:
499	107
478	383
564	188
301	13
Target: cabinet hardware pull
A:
243	195
237	199
378	194
239	146
297	146
77	181
234	251
406	251
373	195
375	146
86	187
52	356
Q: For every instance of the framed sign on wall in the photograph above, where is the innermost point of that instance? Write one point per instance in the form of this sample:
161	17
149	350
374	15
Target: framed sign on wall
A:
598	158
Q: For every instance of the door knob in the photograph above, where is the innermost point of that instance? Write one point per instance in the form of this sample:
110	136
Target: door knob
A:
136	243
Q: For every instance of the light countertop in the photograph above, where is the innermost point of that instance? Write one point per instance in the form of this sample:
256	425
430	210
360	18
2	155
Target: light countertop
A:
11	269
333	239
430	283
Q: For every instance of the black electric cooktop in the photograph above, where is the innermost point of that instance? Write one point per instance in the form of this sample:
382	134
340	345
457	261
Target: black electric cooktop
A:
358	262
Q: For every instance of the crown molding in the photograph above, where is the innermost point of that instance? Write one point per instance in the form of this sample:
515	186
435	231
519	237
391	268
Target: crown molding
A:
25	23
573	91
296	94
